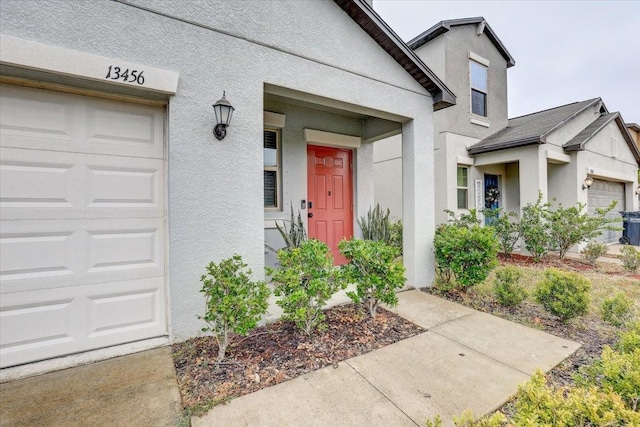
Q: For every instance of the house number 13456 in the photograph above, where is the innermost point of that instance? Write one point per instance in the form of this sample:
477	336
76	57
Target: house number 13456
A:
116	73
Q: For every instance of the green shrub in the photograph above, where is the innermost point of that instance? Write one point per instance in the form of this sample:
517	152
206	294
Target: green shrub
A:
466	419
465	255
464	220
569	226
563	294
372	267
593	251
618	373
305	281
233	302
395	239
506	226
630	340
630	258
617	309
541	405
534	228
507	289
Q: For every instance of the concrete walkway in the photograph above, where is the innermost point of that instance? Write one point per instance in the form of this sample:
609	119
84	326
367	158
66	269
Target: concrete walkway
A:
466	360
135	390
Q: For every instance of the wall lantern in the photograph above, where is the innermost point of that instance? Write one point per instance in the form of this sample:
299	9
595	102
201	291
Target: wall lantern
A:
588	181
638	189
224	111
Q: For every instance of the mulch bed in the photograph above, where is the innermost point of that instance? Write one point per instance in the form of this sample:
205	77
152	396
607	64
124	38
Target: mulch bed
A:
570	264
278	352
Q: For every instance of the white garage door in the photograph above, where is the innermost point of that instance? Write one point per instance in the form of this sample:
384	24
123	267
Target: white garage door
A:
81	224
600	195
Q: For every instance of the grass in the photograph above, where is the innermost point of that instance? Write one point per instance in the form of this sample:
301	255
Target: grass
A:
604	284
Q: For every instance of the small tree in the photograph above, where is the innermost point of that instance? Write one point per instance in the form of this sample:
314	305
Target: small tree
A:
569	226
304	283
465	254
534	229
506	226
234	303
372	267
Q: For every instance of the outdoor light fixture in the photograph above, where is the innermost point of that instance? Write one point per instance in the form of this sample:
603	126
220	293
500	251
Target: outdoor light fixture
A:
588	181
224	111
638	189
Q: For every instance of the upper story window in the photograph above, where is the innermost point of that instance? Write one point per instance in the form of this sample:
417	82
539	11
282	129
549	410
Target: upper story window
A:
271	156
479	86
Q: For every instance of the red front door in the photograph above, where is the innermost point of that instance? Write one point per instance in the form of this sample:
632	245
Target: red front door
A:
329	193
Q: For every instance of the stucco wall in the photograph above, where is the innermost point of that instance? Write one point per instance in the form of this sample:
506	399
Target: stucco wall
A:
215	190
387	175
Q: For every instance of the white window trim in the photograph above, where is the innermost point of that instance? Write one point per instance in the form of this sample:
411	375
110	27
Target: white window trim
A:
478	119
458	187
277	169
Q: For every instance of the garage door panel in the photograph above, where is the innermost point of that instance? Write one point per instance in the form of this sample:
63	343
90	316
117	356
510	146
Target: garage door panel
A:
46	120
74	319
79	252
37	115
600	195
73	185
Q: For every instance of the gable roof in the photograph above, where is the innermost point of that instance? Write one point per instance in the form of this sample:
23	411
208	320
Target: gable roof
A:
531	128
633	126
444	26
378	30
580	140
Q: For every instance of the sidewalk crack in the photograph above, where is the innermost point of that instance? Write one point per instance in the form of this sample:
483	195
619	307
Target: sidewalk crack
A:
381	393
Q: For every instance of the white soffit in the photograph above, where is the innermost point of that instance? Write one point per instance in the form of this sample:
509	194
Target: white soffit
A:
57	60
318	137
274	120
462	160
557	158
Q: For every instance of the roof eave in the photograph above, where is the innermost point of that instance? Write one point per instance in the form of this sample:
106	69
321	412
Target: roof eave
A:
544	136
505	146
444	26
363	15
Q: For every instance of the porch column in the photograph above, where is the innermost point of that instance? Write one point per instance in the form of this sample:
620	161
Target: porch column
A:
533	177
418	201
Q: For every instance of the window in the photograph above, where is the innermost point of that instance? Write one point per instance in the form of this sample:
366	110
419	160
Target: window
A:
478	73
463	187
271	160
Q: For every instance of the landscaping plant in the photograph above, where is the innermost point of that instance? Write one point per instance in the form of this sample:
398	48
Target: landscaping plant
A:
395	239
630	258
305	281
507	288
376	225
569	226
593	251
465	219
534	228
234	303
373	268
464	255
296	234
506	226
617	309
563	294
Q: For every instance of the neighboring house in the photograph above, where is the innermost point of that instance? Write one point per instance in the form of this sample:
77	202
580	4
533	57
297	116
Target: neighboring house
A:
483	159
634	131
115	193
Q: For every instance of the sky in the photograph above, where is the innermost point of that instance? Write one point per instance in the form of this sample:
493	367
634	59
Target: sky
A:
565	51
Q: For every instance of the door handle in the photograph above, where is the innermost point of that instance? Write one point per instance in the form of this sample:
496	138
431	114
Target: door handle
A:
310	214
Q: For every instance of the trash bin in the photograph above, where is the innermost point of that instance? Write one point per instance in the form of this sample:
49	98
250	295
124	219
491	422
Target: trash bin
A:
631	231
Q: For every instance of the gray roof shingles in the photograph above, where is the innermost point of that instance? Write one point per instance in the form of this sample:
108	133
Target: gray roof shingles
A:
577	143
530	129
